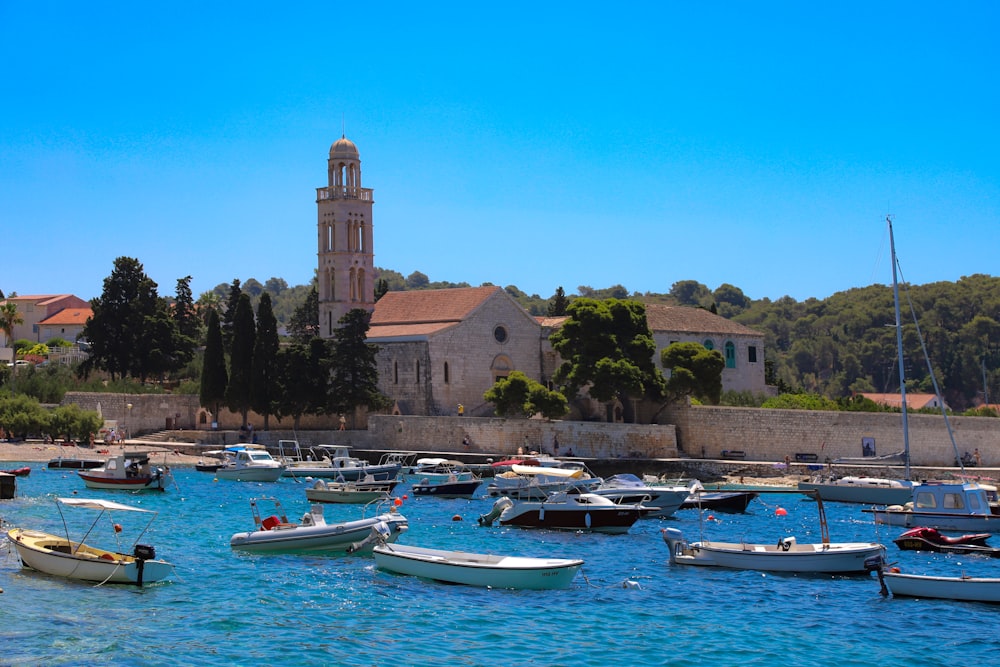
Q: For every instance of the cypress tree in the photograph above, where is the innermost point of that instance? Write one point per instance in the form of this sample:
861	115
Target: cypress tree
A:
263	388
241	359
213	372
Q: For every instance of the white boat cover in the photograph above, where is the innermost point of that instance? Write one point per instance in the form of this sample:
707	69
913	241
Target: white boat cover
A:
575	473
97	504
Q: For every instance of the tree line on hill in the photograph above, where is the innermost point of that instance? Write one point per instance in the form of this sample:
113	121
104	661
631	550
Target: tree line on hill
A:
833	348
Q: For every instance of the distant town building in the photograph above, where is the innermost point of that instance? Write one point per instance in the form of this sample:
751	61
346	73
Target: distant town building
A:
38	310
67	324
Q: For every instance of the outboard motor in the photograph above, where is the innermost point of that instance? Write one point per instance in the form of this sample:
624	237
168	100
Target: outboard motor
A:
142	553
499	506
675	542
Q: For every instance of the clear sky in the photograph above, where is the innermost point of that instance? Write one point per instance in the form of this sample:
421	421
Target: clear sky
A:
519	143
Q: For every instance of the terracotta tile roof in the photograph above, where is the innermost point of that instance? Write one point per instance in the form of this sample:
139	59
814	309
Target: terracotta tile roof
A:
39	299
429	306
552	322
684	319
379	332
913	401
68	316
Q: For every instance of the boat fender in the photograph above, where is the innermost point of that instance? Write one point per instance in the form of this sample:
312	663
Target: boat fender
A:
586	520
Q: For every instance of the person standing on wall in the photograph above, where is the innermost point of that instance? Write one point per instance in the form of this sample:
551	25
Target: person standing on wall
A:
461	410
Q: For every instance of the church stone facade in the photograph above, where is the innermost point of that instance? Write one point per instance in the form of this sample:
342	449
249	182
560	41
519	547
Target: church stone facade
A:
439	349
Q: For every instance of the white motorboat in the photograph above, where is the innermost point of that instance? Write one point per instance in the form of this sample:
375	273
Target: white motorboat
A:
628	489
718	500
486	570
249	463
275	534
442	470
962	507
450	479
567	510
63	557
865	490
347	468
130	471
362	492
784	555
965	588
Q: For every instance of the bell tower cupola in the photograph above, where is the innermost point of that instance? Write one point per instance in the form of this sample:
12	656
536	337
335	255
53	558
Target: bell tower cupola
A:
344	224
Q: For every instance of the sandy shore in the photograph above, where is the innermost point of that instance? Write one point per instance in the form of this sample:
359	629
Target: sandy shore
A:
33	451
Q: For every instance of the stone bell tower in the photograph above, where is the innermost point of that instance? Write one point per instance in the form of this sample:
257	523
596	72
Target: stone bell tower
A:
344	225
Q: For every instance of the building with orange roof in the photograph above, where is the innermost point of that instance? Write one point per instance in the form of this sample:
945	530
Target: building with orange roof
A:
34	309
913	401
67	324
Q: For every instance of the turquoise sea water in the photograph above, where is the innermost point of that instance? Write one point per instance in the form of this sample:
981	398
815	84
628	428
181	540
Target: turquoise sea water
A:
225	608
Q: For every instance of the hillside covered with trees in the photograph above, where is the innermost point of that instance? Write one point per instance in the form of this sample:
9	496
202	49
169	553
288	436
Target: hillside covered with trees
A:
833	347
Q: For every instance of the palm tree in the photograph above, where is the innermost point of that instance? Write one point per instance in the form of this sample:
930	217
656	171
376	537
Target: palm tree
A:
9	318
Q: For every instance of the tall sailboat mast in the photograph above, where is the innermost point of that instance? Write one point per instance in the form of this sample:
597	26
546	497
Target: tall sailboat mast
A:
899	349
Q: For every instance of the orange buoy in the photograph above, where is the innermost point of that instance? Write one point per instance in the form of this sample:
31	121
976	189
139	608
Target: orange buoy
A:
781	511
398	502
118	528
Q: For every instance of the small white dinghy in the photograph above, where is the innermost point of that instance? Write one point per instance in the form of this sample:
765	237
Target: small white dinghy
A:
62	557
485	570
276	534
964	588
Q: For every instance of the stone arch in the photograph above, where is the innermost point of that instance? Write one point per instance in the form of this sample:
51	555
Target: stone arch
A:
501	367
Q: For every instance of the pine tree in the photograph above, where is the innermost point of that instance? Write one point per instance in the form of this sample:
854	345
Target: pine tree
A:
125	320
186	316
355	371
304	323
557	307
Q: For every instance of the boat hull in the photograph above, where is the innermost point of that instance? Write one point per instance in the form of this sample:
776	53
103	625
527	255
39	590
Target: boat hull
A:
969	523
335	537
93	481
868	491
52	555
484	570
970	589
345	496
615	520
460	489
249	474
784	556
733	502
664	502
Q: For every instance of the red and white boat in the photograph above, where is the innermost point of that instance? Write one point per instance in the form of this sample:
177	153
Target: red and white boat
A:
130	471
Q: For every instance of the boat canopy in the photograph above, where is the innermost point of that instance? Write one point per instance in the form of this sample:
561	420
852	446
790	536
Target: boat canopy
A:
97	504
549	472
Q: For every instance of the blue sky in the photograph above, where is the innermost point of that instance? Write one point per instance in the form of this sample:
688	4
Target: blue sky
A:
533	144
